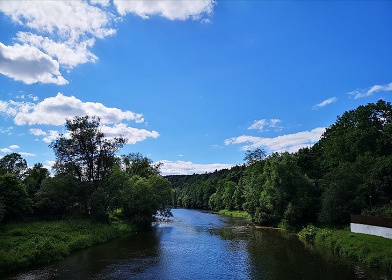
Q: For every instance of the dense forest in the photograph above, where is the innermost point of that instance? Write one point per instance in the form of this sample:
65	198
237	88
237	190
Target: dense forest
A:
349	170
89	181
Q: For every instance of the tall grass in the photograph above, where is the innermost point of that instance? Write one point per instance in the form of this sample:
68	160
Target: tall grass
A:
25	244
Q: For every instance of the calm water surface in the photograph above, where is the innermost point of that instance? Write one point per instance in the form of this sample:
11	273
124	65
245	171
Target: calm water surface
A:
200	245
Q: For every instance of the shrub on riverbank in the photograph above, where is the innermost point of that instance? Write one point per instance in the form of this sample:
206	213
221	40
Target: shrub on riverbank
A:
371	250
236	214
25	244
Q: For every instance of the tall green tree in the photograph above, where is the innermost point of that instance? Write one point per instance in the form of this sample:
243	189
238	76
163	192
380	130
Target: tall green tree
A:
13	163
85	152
87	155
34	177
14	201
137	164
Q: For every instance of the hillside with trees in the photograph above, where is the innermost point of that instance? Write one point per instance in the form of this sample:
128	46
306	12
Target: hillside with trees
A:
348	171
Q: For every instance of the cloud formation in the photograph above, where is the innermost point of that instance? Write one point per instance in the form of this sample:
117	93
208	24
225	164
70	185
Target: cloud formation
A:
325	103
28	64
56	110
61	34
360	93
260	125
288	142
187	168
12	148
170	9
133	135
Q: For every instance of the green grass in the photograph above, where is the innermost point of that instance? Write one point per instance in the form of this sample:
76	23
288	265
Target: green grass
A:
373	251
25	244
236	214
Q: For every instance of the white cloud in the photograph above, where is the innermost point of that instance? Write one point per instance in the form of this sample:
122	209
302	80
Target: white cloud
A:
51	136
9	149
68	53
62	30
27	154
261	124
289	142
325	103
69	20
28	64
37	132
55	110
61	34
170	9
359	93
186	167
133	135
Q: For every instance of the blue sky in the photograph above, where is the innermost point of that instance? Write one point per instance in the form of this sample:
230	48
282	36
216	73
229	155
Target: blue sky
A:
190	83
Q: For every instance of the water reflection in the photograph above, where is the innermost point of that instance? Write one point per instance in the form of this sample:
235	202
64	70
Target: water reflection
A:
201	245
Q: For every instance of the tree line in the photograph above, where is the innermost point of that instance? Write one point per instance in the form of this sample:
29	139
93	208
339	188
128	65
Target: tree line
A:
89	180
348	171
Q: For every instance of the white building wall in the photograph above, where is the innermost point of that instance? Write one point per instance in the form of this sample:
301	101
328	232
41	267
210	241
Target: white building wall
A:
372	230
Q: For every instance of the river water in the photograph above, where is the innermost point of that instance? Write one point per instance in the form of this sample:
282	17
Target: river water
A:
202	245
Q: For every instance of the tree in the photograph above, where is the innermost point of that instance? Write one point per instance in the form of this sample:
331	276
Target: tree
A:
13	164
60	195
34	178
85	153
252	157
144	197
14	201
285	193
363	130
137	164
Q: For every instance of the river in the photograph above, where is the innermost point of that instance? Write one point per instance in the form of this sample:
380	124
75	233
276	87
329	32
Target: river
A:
202	245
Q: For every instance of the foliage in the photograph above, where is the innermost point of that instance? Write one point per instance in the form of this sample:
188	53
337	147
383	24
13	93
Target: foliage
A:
235	214
85	153
141	198
60	195
380	211
14	201
252	157
13	164
137	164
34	178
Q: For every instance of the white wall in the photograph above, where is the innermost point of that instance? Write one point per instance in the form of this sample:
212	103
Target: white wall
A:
373	230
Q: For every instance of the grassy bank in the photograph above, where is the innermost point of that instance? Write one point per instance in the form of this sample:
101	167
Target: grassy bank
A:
236	214
25	244
371	250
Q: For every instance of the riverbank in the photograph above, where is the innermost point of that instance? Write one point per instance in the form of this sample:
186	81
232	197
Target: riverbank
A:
26	244
373	251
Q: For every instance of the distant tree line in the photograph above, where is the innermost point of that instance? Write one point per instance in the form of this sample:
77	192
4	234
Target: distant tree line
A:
89	180
349	170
